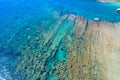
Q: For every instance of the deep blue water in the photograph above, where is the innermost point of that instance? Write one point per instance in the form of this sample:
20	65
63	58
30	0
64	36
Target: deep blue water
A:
16	14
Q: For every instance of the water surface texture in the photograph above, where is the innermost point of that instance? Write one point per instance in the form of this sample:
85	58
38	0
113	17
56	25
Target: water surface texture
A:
59	40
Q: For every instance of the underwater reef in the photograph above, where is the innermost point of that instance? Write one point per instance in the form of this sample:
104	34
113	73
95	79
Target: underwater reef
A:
47	40
69	47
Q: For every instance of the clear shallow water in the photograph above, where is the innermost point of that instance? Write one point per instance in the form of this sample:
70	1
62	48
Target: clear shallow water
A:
16	16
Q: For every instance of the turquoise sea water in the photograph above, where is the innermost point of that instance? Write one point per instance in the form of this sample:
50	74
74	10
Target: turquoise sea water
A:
20	19
91	9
